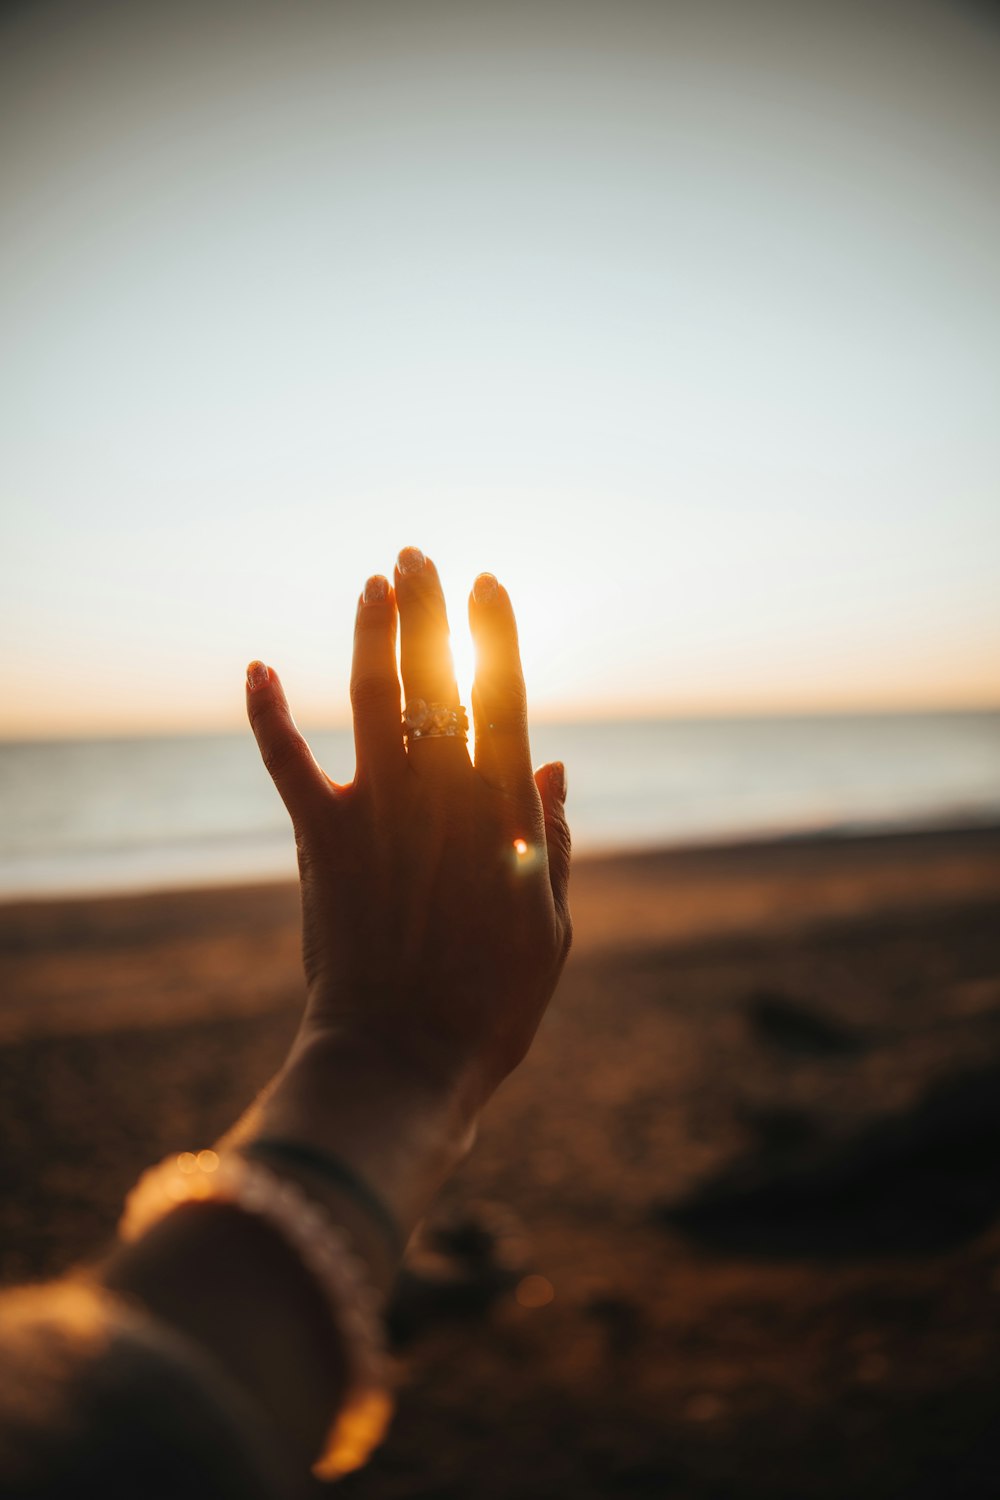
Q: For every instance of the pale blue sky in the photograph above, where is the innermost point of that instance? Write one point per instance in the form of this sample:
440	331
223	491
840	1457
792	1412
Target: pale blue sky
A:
684	319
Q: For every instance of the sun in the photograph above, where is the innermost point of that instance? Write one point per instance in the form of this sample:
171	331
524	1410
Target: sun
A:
463	655
539	650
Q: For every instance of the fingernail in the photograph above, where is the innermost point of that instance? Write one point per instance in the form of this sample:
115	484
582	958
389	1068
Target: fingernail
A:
557	779
410	560
257	675
376	589
485	588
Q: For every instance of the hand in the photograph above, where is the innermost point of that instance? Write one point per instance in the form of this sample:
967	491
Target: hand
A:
434	891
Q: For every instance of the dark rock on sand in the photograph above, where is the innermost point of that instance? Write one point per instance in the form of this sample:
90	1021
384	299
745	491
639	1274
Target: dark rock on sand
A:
913	1183
621	1319
456	1270
778	1021
780	1130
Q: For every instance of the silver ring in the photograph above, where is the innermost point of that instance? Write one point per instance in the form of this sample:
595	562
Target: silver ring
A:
432	721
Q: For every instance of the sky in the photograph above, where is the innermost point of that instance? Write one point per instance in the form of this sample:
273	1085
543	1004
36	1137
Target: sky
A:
682	318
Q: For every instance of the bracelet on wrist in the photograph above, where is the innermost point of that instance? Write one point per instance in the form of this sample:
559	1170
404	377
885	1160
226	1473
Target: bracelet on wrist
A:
339	1175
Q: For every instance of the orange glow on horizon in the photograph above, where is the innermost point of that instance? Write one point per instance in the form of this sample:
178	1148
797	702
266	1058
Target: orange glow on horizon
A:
125	711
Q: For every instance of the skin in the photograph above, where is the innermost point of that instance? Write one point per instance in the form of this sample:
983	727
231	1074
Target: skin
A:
423	930
435	927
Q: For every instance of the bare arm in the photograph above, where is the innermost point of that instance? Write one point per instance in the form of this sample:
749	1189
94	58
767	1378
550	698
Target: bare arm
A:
435	926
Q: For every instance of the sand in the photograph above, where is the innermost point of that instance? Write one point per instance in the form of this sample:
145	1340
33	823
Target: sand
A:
733	1230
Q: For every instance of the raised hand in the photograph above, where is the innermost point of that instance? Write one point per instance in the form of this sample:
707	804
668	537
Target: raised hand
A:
434	890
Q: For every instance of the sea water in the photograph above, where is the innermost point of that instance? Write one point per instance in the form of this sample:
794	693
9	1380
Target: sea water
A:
122	814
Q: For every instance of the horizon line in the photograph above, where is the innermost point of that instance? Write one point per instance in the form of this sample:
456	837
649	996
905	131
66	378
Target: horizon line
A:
624	714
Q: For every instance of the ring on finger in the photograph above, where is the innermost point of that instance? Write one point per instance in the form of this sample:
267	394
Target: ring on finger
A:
431	721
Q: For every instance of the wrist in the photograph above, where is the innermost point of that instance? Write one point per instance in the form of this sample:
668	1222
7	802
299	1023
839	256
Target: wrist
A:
399	1127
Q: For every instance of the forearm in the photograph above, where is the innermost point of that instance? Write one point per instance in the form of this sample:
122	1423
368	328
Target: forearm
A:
232	1284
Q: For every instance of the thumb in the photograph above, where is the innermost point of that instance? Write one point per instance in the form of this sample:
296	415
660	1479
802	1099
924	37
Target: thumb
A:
288	759
551	783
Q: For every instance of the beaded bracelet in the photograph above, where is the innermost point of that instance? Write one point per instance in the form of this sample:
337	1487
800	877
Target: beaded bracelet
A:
323	1247
340	1175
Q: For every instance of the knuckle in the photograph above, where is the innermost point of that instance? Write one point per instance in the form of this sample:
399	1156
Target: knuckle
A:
261	714
558	832
505	702
374	620
282	756
370	691
303	848
309	855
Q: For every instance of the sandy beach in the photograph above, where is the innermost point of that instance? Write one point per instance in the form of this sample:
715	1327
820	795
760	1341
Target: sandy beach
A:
733	1230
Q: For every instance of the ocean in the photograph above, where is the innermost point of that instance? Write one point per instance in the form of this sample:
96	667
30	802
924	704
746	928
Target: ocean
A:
136	814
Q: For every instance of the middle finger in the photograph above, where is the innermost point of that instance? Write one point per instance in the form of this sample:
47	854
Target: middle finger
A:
425	650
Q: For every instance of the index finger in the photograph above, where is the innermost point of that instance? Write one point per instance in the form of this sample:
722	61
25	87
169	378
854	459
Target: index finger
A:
499	700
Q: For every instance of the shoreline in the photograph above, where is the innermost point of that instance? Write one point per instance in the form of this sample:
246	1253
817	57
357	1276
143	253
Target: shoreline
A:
155	958
946	826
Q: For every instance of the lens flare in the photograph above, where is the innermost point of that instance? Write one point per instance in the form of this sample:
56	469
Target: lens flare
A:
535	1291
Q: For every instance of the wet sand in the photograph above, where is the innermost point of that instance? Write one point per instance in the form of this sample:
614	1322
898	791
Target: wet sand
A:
733	1230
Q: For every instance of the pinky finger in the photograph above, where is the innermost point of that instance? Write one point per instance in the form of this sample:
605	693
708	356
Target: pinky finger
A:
301	784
